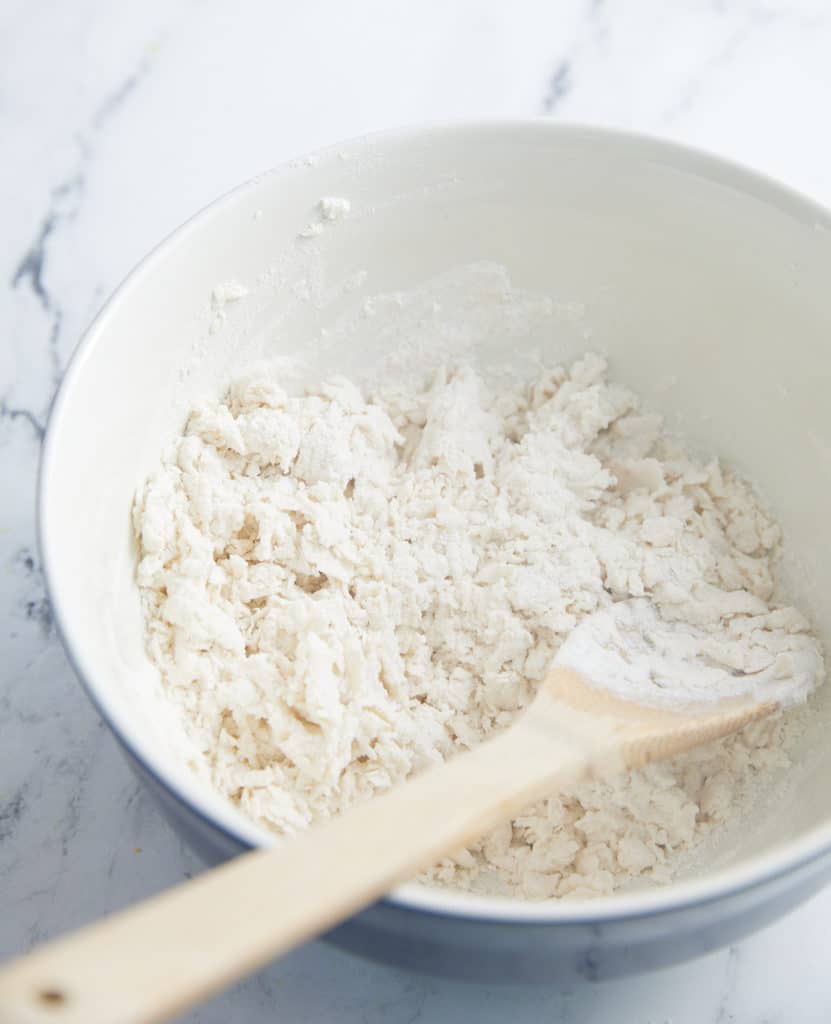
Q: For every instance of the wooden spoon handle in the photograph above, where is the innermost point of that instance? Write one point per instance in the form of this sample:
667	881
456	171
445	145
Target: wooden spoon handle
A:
162	956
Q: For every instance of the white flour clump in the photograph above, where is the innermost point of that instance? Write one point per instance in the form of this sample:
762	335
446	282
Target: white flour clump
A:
633	652
329	208
342	589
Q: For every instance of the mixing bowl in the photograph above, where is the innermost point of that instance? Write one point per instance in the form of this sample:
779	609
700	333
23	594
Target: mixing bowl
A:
707	287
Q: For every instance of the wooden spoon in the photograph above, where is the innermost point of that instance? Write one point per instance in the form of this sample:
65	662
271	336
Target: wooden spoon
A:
154	960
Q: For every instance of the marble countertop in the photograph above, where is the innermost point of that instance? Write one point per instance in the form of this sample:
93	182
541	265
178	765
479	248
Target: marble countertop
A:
118	122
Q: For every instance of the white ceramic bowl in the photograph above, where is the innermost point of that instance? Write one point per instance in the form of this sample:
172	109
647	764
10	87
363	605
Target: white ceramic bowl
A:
689	270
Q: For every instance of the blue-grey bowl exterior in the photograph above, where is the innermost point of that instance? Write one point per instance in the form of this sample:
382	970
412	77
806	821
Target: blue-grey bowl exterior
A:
564	953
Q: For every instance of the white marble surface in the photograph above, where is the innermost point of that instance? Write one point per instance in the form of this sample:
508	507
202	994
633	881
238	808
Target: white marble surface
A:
118	121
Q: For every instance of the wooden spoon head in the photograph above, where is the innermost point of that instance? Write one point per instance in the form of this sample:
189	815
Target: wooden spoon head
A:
642	734
651	687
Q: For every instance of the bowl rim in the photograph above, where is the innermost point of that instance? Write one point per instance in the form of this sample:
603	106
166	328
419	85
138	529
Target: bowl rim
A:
750	873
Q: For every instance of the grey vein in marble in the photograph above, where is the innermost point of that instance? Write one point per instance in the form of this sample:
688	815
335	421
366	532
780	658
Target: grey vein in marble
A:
755	20
65	202
10	813
558	88
9	412
36	605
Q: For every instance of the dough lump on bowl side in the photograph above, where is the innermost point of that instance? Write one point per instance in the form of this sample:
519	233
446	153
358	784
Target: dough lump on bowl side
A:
342	588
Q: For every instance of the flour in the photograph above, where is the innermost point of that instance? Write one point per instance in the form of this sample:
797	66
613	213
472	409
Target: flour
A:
221	296
741	649
343	588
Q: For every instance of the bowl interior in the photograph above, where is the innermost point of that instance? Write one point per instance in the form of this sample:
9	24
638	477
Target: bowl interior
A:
705	286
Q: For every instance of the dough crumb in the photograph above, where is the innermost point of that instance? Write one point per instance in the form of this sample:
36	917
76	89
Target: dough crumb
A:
334	207
229	291
329	208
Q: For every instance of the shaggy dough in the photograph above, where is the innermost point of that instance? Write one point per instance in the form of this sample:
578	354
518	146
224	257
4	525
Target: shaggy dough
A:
342	589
